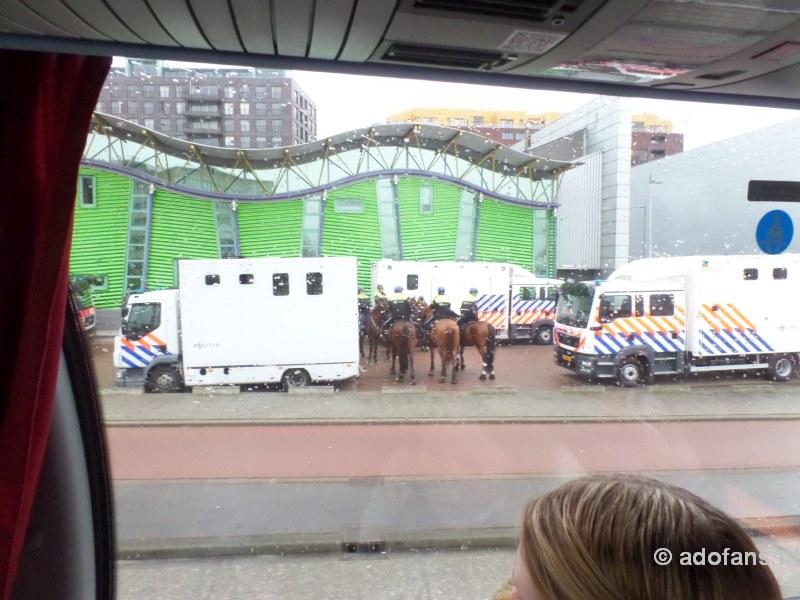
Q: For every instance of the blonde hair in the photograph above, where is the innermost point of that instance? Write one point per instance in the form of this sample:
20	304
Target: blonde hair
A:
595	538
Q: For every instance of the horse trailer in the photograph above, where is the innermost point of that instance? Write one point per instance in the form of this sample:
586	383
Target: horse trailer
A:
289	321
518	303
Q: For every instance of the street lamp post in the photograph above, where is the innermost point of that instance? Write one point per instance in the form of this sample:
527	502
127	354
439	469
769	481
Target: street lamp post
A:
650	183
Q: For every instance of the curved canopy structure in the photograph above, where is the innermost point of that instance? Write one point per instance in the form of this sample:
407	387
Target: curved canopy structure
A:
421	150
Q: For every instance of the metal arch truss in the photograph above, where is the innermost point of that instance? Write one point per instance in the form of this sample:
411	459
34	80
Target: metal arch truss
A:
310	169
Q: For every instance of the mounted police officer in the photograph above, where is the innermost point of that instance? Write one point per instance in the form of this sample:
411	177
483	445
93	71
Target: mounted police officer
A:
380	295
469	310
440	306
400	308
364	306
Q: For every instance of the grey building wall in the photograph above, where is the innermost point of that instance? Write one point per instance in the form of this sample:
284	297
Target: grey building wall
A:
699	197
605	126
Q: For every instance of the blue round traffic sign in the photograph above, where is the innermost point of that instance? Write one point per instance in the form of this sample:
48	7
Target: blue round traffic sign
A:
774	232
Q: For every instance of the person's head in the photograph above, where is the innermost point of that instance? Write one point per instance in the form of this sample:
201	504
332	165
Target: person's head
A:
601	537
421	299
380	287
361	290
473	291
441	290
398	288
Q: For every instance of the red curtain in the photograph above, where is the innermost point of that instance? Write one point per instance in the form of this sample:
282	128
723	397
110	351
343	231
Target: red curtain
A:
45	110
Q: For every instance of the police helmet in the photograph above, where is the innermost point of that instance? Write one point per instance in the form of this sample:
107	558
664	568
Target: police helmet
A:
398	288
361	289
441	290
473	290
380	286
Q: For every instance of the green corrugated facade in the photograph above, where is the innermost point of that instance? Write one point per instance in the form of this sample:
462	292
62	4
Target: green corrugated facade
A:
181	228
100	235
184	227
271	229
428	236
354	234
505	234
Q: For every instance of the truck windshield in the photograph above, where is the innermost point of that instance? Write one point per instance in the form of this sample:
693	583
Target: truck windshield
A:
141	319
574	304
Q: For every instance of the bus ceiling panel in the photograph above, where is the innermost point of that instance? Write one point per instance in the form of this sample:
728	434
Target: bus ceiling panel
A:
215	19
177	18
137	15
331	21
608	17
370	20
292	26
57	22
97	14
784	83
7	26
254	22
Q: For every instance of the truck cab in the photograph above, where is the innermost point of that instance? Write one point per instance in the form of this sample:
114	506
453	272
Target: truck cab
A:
612	329
147	348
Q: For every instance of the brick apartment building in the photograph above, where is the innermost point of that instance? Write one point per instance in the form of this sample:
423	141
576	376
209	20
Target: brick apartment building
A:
233	107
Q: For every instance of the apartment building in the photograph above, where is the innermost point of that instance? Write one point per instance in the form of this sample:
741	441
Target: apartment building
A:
234	107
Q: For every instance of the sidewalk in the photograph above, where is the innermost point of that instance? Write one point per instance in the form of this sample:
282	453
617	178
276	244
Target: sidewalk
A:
497	404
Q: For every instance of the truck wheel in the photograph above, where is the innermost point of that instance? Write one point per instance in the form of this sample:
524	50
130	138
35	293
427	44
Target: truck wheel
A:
295	378
544	336
781	367
165	379
630	372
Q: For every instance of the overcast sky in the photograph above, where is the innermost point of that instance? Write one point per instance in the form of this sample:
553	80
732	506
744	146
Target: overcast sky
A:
347	102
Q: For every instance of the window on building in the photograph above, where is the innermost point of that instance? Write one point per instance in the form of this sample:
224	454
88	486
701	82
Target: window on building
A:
348	205
261	142
658	139
244	109
780	273
228	91
244	126
133	91
477	120
133	107
99	107
148	107
261	92
426	199
164	125
751	274
465	232
180	107
245	141
276	93
86	197
507	135
277	141
230	141
277	125
116	107
228	125
227	108
312	225
180	91
148	91
277	108
150	123
163	91
261	125
181	124
261	109
165	108
506	123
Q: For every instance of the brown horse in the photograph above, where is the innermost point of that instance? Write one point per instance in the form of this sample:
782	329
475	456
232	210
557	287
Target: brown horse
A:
403	339
446	337
483	336
375	321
